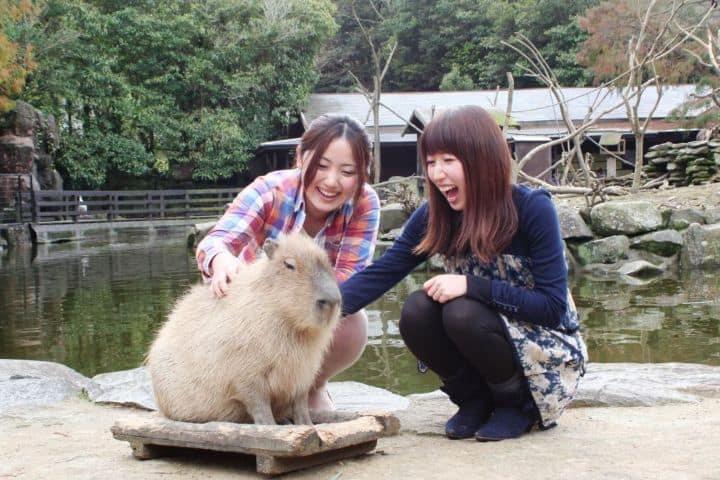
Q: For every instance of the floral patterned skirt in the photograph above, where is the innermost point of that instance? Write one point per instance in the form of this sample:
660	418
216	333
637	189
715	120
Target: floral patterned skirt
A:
553	363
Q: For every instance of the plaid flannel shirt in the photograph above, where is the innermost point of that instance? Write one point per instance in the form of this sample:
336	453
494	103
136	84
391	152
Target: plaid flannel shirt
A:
274	204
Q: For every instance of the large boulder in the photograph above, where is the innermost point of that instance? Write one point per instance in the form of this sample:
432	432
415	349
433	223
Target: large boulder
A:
29	382
604	250
392	216
625	218
663	242
702	246
682	218
572	225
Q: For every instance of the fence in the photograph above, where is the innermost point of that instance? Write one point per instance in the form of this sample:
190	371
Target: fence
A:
15	198
83	205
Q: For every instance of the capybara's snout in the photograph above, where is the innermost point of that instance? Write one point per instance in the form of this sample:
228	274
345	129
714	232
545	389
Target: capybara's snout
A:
327	299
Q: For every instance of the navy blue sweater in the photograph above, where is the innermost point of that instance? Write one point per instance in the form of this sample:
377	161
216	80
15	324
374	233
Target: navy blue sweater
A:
537	238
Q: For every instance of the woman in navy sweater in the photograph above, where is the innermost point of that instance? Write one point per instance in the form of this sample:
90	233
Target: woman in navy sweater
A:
499	327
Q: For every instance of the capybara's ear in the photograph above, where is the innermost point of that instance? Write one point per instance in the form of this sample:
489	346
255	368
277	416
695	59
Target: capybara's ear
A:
270	246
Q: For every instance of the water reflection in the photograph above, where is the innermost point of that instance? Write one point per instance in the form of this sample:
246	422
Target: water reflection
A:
96	308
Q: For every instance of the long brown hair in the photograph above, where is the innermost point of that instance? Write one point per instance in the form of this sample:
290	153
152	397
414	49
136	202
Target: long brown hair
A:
489	218
323	131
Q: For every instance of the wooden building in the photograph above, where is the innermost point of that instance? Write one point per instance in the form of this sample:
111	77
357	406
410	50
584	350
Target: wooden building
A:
535	120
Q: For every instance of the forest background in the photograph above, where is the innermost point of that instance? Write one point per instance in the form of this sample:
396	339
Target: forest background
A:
148	92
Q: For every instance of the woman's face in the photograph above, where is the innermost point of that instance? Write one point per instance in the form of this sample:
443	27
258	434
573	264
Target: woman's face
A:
445	171
335	182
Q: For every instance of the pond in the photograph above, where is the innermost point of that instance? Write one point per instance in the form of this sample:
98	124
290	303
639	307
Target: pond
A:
95	308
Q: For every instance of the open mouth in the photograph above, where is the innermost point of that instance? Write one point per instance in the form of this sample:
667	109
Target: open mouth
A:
451	193
328	196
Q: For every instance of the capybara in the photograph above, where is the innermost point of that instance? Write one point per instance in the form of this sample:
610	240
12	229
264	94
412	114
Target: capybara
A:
252	355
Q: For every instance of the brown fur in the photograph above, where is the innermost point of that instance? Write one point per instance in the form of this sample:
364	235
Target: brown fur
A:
253	354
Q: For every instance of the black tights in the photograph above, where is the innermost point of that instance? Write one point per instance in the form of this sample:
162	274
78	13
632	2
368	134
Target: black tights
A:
458	334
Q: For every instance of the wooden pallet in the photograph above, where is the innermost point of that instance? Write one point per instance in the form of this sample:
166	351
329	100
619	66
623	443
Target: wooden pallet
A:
278	448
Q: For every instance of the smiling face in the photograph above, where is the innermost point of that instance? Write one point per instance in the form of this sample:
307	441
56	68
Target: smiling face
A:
335	182
446	172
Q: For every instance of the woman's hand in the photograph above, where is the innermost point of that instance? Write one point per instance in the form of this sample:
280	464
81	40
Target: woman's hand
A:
224	266
446	287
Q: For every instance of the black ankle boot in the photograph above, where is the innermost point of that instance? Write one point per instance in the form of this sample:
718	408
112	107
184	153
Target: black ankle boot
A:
472	396
514	414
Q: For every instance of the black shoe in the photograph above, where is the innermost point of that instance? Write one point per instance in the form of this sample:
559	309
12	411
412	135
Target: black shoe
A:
469	417
507	422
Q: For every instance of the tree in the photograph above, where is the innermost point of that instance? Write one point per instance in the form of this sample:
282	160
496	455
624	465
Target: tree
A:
705	49
148	89
456	81
16	58
435	35
381	54
637	44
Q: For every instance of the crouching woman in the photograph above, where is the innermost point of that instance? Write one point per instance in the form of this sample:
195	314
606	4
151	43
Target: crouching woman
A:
499	327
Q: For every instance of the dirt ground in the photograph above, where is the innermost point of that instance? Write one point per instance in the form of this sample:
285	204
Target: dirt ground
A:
72	440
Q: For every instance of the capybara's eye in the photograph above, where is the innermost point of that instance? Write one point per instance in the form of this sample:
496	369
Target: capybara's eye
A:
289	263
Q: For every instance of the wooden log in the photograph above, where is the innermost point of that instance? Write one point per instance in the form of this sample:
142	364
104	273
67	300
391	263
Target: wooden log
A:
269	465
278	448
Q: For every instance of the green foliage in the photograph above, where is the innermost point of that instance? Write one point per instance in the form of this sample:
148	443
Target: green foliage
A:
435	35
456	81
155	88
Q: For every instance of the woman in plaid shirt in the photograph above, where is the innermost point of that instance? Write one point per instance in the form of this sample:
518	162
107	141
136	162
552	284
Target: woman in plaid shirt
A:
328	197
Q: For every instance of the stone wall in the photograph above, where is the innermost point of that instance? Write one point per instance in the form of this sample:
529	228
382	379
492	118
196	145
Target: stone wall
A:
639	238
692	163
28	142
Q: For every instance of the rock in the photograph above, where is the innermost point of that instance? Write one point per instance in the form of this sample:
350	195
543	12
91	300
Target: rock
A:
391	235
625	218
616	384
127	387
30	382
702	246
392	216
133	388
604	250
712	215
640	268
662	242
572	225
357	397
681	219
632	384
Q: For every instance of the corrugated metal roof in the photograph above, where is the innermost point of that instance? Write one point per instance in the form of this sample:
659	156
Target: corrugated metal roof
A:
529	105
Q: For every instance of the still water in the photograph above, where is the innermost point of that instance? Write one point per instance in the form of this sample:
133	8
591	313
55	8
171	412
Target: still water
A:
96	308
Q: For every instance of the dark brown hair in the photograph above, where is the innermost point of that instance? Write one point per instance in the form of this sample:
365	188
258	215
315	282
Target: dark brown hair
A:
323	131
489	218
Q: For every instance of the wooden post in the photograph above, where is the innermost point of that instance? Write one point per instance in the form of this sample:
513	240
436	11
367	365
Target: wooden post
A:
611	170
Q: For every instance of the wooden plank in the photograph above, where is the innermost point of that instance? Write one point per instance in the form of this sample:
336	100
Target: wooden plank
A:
274	465
278	448
222	436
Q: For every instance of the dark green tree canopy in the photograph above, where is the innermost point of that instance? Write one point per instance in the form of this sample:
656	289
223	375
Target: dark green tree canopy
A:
150	88
435	36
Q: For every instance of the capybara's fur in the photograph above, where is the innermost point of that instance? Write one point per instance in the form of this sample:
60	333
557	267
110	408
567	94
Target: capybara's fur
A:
252	355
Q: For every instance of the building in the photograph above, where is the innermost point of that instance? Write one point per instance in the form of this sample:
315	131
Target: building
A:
536	118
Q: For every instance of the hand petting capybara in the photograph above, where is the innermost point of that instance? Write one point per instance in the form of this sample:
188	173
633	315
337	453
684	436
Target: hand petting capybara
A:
252	355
